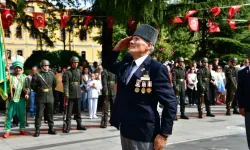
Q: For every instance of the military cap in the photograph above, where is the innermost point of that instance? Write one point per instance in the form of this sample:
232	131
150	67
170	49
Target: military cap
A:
204	59
74	59
147	32
180	59
44	63
234	59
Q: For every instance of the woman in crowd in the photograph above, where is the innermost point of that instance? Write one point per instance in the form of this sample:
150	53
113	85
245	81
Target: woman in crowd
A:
219	79
192	86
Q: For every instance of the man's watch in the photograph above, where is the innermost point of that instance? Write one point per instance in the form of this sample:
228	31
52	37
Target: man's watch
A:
165	135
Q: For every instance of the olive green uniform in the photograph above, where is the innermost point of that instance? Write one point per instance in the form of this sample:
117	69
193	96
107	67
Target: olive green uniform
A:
43	84
109	93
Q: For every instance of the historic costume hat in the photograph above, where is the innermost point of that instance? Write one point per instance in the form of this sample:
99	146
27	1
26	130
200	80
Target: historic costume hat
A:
17	61
147	32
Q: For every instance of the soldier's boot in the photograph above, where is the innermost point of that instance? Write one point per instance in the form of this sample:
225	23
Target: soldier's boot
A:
103	122
52	131
67	129
200	114
209	114
236	111
228	113
183	116
37	132
80	127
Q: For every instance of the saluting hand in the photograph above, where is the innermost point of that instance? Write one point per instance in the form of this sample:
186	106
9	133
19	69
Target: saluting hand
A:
159	142
123	44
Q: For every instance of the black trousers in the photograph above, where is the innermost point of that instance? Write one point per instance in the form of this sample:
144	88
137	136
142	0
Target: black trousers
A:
212	94
40	113
191	95
59	101
74	106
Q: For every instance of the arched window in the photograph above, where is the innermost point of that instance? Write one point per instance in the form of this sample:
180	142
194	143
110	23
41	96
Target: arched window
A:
83	54
19	33
9	54
19	52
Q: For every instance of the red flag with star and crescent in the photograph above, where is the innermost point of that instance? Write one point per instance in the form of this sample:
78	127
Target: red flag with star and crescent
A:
193	23
232	10
87	19
39	19
64	20
215	10
232	24
212	26
7	17
189	14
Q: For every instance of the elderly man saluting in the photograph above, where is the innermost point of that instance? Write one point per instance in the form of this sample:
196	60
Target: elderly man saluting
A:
142	83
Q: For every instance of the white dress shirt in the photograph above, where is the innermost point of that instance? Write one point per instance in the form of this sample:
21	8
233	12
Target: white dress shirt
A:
93	92
138	62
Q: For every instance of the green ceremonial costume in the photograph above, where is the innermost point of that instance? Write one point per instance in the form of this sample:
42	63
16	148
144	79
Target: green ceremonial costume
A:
17	104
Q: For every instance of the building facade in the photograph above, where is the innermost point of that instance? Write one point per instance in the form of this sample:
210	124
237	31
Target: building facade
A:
19	41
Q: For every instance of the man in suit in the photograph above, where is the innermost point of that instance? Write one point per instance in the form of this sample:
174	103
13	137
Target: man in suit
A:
243	96
142	82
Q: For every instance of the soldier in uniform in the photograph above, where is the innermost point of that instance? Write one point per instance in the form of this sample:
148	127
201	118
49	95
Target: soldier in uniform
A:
231	86
179	83
16	103
43	84
108	93
71	84
204	78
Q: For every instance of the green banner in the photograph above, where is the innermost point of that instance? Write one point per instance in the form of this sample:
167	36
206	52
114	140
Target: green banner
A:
3	80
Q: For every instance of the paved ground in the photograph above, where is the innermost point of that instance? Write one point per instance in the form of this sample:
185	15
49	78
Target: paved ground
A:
219	133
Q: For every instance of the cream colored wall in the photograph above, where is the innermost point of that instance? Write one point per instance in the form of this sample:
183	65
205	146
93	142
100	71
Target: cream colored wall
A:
28	44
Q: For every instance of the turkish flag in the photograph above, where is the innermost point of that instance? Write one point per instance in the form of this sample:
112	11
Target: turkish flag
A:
7	17
87	19
178	20
64	20
215	10
193	23
232	10
39	19
214	28
232	24
110	21
131	23
189	14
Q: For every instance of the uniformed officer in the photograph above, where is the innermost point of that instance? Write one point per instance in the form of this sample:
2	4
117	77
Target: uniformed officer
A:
231	86
43	84
108	92
72	90
179	83
204	78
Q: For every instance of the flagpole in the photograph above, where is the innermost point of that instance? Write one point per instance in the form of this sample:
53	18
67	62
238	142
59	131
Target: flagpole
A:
6	57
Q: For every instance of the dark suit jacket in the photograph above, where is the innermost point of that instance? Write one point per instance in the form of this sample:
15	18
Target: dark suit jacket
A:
135	114
243	89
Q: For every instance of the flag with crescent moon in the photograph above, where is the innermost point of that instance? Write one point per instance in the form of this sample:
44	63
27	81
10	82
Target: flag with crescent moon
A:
193	23
39	19
7	17
64	20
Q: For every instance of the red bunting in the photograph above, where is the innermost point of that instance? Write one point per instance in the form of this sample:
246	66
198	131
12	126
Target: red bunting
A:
177	20
7	17
214	28
232	10
189	14
232	24
87	19
39	19
131	23
193	23
215	10
110	21
64	20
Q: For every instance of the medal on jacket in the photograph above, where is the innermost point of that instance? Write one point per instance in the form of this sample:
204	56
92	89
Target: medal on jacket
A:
137	85
149	85
145	76
144	85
